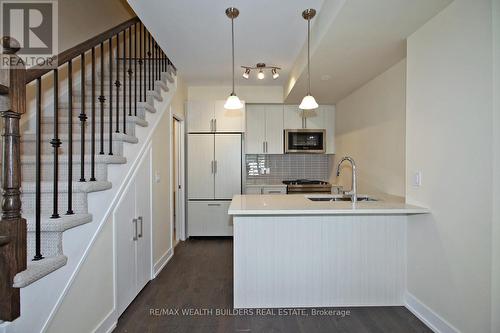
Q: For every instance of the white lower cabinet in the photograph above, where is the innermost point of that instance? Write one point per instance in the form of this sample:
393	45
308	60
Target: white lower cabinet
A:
209	218
132	225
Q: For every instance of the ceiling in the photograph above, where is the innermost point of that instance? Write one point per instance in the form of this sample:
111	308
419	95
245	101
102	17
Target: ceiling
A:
353	41
196	35
364	39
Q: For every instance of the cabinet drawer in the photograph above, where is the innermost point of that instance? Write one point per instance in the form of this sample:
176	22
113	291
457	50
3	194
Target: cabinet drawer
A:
209	218
253	190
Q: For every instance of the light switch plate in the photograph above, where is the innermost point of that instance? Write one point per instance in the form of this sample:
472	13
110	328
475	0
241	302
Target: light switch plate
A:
417	179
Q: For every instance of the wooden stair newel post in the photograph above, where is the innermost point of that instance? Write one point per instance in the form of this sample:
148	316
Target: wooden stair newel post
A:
12	225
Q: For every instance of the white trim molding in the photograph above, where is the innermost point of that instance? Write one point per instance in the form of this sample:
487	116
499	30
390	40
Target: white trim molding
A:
160	264
430	318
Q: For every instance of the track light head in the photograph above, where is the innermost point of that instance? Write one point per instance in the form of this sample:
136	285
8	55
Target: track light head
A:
275	73
246	74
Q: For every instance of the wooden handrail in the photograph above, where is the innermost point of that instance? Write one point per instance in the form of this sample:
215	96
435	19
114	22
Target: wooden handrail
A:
4	90
35	72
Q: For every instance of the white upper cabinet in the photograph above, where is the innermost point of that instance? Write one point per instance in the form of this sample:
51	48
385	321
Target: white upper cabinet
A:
229	120
200	115
211	116
328	112
274	129
293	117
255	134
264	129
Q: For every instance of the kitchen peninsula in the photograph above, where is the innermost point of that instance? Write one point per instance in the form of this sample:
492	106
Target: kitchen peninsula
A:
291	251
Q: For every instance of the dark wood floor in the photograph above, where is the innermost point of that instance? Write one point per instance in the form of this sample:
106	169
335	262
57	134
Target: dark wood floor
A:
199	276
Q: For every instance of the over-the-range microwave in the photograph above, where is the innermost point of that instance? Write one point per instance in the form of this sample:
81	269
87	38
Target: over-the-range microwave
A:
305	141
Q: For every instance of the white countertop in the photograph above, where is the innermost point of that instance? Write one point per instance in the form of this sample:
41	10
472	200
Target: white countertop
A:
298	204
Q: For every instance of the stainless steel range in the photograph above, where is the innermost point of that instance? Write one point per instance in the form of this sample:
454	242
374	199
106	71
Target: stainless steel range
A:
307	186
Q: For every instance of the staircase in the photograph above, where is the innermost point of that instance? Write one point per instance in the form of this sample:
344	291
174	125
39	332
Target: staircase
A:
65	159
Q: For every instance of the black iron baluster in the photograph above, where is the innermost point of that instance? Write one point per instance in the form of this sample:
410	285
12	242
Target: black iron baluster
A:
130	72
56	143
140	62
92	147
110	96
135	69
143	73
149	61
70	138
101	100
117	84
38	179
124	80
83	119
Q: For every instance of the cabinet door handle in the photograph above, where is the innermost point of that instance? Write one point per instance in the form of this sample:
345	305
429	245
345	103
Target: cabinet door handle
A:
274	192
267	151
134	221
215	125
215	166
263	146
140	220
213	205
212	167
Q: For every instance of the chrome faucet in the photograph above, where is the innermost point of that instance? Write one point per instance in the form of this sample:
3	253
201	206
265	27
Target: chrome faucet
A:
353	192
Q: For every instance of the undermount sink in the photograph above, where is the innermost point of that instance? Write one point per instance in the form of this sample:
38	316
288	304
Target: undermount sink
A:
336	198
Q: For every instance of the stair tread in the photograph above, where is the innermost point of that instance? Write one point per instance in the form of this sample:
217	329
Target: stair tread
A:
38	269
61	224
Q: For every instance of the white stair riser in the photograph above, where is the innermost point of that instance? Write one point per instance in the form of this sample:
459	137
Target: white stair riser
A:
79	203
28	171
29	148
50	244
63	128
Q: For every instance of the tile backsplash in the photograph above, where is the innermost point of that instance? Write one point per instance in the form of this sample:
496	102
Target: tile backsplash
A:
285	167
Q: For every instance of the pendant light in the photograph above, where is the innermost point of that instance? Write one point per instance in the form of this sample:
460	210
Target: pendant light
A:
233	102
308	102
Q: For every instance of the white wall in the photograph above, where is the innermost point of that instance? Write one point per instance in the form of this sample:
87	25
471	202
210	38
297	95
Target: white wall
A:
495	310
250	94
449	139
162	219
370	127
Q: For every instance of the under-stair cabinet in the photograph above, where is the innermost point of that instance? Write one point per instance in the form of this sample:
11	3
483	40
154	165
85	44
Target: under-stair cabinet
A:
132	225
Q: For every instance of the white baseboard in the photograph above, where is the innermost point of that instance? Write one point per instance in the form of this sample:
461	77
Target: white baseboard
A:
428	316
3	326
108	324
162	262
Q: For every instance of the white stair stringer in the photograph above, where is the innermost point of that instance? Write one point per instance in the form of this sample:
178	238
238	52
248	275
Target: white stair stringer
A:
45	282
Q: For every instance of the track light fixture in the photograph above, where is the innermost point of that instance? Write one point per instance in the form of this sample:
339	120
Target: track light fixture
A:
261	67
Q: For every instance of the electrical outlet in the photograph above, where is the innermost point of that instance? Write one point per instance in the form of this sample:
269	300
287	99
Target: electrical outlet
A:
417	179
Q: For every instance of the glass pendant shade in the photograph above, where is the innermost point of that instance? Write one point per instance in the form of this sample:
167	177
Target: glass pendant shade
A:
233	103
308	103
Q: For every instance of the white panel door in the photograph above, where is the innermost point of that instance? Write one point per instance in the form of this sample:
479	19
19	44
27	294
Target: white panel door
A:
143	215
274	129
255	134
227	165
125	230
200	166
199	116
229	120
329	119
292	116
